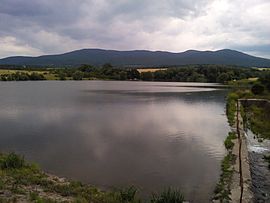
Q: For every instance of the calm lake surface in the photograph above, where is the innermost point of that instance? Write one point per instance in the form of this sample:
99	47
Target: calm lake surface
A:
107	133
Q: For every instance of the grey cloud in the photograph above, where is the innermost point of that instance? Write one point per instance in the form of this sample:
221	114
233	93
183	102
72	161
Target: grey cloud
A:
47	14
151	8
23	8
260	50
52	26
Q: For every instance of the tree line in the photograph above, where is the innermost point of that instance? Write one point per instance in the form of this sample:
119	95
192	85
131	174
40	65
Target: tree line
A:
188	73
262	85
21	76
193	73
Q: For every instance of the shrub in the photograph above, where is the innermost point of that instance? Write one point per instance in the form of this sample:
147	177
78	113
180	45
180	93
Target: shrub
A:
78	75
228	142
128	194
168	196
11	161
265	80
36	76
62	76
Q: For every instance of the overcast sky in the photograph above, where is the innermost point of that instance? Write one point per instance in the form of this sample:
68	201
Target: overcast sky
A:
36	27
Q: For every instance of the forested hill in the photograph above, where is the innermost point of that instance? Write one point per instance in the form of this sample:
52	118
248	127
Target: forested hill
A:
140	58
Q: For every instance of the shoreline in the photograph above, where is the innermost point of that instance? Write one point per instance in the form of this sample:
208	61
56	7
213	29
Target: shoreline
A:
24	182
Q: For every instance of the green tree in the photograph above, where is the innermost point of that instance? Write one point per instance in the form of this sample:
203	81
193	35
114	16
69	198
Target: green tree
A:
223	77
62	76
107	65
133	74
78	75
36	76
265	79
86	68
123	75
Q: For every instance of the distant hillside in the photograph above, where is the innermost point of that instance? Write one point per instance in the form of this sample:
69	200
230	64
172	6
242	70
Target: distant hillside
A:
140	58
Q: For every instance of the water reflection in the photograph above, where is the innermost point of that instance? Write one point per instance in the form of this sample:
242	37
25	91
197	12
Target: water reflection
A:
118	133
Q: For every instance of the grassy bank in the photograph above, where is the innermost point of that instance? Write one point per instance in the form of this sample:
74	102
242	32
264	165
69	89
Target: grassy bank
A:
21	181
223	188
239	89
222	191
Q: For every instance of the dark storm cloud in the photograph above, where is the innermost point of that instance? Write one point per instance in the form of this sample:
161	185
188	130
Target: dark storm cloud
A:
40	11
52	26
22	8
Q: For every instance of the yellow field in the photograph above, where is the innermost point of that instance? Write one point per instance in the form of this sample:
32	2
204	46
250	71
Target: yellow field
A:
142	70
262	69
252	79
8	71
47	74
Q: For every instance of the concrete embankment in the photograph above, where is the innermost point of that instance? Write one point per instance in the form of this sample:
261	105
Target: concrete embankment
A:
257	150
241	188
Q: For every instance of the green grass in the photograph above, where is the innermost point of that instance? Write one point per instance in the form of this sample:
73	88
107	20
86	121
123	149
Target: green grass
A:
228	141
49	75
34	197
231	107
168	196
11	71
222	190
128	194
258	119
11	161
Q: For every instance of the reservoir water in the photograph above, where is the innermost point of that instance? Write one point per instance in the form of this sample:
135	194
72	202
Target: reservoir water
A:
109	134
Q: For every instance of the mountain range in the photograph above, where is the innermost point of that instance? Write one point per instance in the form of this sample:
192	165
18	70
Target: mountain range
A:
145	58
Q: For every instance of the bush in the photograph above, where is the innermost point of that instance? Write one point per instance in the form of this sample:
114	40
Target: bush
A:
265	80
228	142
168	196
36	76
62	76
11	161
78	75
128	194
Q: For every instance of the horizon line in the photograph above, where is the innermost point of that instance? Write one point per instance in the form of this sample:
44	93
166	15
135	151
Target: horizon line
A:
130	50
